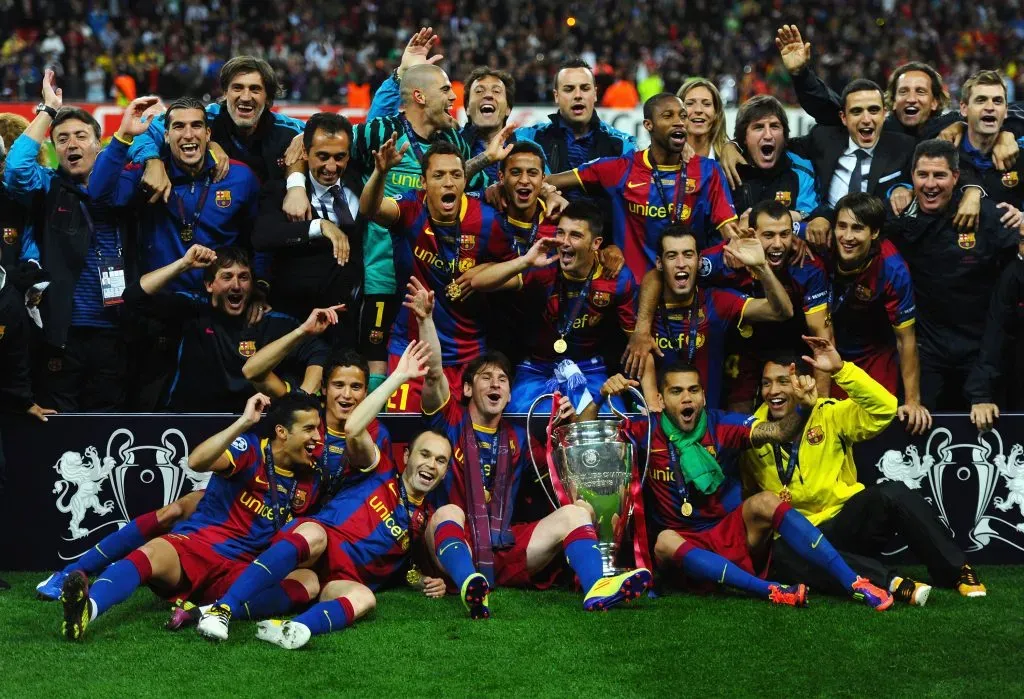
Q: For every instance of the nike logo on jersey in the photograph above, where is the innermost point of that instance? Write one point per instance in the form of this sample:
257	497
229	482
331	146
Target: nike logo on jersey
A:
634	185
260	481
721	581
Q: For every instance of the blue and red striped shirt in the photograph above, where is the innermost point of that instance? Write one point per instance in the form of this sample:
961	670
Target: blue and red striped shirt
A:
338	472
641	210
438	255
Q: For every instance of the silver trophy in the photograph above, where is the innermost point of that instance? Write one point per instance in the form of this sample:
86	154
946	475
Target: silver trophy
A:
593	461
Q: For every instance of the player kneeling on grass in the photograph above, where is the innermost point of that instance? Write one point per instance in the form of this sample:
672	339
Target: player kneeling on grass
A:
361	537
704	526
253	491
490	456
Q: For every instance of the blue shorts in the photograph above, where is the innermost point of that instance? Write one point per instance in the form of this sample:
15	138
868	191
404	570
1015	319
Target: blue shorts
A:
532	379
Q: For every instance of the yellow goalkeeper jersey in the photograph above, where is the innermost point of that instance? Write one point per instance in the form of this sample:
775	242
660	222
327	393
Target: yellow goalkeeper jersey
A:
826	476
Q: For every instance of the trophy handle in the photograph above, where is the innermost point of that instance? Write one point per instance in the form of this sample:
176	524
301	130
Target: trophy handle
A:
533	459
650	430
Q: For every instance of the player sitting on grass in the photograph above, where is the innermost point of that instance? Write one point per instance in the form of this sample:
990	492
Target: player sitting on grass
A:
254	489
703	525
359	540
490	456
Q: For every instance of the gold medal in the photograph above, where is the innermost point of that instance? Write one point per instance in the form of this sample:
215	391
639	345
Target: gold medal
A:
785	495
453	291
686	509
561	345
746	331
186	234
414	577
487	495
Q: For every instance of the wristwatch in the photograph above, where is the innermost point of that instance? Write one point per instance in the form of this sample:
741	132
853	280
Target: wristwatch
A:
41	107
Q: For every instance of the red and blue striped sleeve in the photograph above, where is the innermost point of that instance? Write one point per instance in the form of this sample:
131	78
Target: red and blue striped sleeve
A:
626	293
898	291
732	430
719	196
244	455
605	173
813	279
729	304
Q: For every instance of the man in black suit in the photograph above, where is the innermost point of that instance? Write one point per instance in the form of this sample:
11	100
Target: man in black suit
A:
317	263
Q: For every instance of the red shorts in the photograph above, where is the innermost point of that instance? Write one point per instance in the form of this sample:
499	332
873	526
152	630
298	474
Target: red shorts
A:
744	386
728	539
407	398
206	574
883	366
510	569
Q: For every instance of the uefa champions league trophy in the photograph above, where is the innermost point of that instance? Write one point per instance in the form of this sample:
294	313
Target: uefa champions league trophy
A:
593	461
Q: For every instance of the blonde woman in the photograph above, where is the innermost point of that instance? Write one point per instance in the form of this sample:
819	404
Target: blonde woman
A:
705	117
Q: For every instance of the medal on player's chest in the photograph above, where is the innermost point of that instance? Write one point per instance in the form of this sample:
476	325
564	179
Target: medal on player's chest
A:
487	495
785	495
453	291
186	234
687	509
561	345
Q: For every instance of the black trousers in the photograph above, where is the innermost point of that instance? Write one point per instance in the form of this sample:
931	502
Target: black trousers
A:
864	527
88	375
942	386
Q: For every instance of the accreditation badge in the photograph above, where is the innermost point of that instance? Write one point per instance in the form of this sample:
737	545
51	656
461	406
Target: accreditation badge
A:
112	283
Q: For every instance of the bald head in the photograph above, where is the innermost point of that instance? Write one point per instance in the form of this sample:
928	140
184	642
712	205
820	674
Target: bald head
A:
427	98
421	78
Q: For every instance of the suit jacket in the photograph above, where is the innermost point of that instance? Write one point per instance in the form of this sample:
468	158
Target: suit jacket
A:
305	273
890	163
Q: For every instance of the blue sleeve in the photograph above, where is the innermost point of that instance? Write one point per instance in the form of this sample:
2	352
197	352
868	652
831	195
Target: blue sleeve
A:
712	270
23	175
110	180
628	142
288	122
386	99
147	146
807	197
29	247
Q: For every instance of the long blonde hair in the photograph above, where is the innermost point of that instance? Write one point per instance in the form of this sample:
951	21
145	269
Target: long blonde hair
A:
717	134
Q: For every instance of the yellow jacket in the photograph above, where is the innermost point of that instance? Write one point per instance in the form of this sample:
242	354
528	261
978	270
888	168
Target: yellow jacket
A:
826	476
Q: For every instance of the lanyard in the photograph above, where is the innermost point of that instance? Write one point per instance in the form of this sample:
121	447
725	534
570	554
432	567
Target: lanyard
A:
410	509
268	459
458	249
692	321
414	140
565	322
656	176
534	226
92	229
199	207
786	474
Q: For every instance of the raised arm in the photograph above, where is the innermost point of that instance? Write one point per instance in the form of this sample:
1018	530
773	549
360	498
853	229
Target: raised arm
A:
784	431
23	175
816	98
498	276
776	305
372	203
436	391
641	341
259	368
211	454
362	451
196	257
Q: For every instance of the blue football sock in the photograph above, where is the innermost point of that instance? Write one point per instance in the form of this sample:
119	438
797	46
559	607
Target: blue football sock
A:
325	617
583	555
115	585
705	565
811	545
453	552
116	546
275	601
272	566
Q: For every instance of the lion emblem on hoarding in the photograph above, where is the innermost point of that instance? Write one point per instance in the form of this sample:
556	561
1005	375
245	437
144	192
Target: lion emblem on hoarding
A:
84	475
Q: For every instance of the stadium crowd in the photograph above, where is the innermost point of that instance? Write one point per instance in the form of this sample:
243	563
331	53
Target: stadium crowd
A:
769	296
174	48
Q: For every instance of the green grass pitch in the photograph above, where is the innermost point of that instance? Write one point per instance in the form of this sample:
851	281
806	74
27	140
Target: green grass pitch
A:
539	644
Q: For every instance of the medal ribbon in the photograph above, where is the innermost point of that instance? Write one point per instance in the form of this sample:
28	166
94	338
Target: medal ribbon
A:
656	176
199	207
414	140
506	226
692	321
268	460
786	474
565	322
673	463
415	520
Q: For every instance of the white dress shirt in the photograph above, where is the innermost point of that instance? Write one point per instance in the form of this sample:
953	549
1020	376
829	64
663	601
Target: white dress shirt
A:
322	202
840	185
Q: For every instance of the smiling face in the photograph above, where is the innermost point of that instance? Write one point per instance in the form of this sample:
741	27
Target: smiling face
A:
489	391
328	157
776	236
426	463
246	98
853	239
700	111
187	137
487	104
913	101
300	440
934	182
346	388
577	247
77	147
230	289
765	141
678	266
445	182
438	101
985	110
777	390
522	176
863	117
683	398
575	95
667	125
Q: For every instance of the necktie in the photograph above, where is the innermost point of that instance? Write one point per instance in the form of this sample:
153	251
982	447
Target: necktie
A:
341	210
857	176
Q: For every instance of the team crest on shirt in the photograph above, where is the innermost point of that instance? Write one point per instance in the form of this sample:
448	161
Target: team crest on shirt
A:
966	241
223	198
10	235
466	264
691	185
784	198
247	348
700	340
376	336
601	298
685	215
1010	179
467	242
299	501
862	292
55	365
815	435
